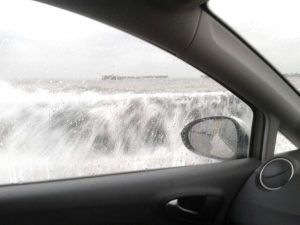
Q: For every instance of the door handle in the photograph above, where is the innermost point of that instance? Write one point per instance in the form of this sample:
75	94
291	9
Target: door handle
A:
196	209
174	204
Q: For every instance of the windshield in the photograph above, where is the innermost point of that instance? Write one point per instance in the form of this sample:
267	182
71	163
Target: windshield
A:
272	27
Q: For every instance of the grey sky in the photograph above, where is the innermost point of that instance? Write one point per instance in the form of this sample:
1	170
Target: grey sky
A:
271	26
40	41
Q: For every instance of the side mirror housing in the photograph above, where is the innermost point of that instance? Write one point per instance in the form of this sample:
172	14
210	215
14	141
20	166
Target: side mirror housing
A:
217	137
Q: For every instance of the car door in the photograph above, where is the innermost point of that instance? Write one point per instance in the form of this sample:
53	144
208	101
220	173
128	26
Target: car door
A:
139	190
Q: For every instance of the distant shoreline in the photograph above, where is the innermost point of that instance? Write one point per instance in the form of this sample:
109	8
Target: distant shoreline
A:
116	77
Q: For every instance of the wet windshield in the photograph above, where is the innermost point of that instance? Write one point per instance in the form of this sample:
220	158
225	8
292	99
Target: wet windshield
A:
272	27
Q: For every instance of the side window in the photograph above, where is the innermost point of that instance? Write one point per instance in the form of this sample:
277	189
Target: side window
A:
283	144
79	98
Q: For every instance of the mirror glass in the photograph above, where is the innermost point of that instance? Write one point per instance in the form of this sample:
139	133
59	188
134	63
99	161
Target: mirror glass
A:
216	137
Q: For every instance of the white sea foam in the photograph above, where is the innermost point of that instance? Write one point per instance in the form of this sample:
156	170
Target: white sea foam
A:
50	133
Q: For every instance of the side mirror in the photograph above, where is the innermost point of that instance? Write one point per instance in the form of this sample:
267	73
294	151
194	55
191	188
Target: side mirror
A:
217	137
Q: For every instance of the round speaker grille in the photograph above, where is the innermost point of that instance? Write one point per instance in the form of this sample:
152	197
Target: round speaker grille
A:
276	173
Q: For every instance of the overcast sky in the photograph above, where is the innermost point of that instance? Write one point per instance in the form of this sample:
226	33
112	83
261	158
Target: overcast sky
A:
40	41
271	26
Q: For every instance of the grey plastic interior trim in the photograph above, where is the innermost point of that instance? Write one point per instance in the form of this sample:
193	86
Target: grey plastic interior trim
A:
255	205
262	170
270	134
126	198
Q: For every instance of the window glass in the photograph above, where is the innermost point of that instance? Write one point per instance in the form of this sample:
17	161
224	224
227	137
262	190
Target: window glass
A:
79	98
283	144
272	27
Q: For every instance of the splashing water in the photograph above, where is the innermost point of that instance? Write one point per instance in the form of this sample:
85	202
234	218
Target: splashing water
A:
51	134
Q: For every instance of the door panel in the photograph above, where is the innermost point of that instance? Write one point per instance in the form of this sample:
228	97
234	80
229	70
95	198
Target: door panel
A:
132	198
264	207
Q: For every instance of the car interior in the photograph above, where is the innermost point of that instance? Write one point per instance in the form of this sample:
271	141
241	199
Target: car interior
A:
261	189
